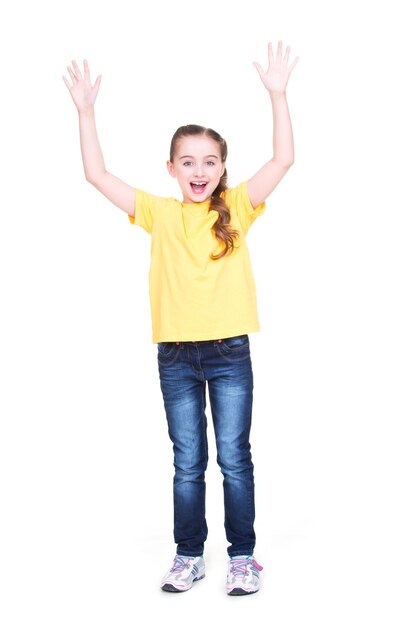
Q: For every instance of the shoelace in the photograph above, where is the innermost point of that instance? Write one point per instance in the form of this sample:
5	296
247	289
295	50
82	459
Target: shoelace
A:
180	563
239	566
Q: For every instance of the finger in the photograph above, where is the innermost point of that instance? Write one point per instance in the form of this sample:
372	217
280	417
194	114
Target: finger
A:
270	53
279	51
293	64
97	84
77	70
86	70
259	68
66	82
72	75
286	56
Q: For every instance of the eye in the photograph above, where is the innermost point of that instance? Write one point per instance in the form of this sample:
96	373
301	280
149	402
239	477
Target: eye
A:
187	163
211	163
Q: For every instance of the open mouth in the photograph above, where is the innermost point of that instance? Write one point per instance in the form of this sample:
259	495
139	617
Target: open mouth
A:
198	187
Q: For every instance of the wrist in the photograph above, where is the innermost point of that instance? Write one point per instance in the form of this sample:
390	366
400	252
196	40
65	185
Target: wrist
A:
277	95
87	111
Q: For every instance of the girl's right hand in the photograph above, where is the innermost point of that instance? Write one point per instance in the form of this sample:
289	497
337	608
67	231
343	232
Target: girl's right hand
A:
82	92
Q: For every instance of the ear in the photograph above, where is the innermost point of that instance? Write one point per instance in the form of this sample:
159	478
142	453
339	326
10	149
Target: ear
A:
170	168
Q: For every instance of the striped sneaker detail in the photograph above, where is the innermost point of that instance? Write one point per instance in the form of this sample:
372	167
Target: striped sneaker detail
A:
183	573
243	575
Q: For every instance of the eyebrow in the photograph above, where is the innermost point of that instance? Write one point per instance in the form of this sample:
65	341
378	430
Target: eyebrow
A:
188	156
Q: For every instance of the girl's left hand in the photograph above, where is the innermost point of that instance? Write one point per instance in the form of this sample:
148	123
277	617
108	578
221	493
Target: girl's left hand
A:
277	75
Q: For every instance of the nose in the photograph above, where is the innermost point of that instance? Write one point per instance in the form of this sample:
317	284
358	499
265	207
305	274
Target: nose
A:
198	169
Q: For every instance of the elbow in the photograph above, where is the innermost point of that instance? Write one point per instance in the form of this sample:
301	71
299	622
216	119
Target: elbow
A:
283	165
94	179
90	180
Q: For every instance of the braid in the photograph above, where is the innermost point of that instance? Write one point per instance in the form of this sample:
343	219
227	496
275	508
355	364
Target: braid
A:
222	227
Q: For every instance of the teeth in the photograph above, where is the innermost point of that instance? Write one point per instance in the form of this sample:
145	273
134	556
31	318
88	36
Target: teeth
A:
200	184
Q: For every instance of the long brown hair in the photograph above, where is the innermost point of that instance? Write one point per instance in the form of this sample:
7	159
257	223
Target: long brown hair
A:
222	227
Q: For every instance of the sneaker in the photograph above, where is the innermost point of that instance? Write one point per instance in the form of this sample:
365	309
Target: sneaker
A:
183	573
243	575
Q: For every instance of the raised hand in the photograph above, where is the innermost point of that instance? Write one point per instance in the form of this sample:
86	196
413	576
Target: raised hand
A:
277	74
82	92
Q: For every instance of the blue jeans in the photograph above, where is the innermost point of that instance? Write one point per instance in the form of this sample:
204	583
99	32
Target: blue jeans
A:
184	367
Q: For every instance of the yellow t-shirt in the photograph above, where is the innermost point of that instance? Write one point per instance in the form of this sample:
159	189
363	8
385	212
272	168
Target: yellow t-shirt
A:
193	297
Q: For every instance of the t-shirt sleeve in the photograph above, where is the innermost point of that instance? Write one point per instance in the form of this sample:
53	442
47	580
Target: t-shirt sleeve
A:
146	208
239	202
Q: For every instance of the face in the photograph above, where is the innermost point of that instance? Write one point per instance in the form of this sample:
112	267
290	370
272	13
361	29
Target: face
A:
197	166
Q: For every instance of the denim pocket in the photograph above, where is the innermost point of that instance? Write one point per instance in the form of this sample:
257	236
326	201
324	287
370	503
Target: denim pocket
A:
235	348
167	352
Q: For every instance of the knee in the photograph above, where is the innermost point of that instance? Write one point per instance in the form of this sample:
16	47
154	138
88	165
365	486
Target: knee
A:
190	470
189	475
234	460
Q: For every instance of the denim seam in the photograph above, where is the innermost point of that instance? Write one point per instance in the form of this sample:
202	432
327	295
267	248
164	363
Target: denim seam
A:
234	359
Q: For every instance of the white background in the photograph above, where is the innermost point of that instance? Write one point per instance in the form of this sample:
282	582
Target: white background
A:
86	462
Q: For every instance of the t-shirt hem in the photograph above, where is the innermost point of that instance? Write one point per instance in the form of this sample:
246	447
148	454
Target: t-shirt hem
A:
206	336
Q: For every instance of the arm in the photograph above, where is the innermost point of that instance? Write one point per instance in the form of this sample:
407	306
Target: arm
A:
84	96
275	80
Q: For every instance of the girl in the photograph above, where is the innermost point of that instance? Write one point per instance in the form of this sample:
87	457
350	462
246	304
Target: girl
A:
203	305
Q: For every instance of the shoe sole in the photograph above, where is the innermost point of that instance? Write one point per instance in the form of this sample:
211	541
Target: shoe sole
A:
173	589
237	591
